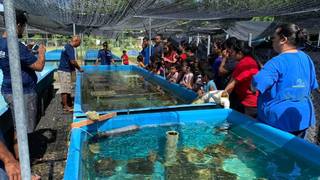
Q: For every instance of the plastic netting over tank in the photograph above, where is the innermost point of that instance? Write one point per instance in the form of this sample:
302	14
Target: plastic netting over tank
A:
122	14
224	9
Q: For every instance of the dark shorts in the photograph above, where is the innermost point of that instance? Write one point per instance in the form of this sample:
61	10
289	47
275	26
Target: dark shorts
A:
251	111
30	101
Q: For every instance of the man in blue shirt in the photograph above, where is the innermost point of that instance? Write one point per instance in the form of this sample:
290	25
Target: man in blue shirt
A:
157	53
105	55
66	71
29	64
146	51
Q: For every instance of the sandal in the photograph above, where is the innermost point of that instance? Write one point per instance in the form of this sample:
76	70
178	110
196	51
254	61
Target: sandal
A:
68	109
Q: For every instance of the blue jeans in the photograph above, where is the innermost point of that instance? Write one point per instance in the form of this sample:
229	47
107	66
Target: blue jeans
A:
3	174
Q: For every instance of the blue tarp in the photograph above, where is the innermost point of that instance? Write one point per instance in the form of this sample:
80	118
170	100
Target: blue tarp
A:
133	53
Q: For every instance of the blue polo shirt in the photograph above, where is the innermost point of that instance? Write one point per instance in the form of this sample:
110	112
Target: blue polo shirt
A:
105	56
146	54
29	77
156	53
209	85
285	84
67	55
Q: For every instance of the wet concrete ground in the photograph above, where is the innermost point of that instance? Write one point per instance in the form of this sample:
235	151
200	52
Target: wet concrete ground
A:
49	143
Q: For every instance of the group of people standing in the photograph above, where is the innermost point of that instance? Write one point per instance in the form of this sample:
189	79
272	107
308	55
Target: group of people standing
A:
277	93
177	63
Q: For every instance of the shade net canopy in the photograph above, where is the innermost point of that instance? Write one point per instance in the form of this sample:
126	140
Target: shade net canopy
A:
106	17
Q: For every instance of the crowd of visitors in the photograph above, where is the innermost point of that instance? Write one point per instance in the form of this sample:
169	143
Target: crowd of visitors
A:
277	93
230	67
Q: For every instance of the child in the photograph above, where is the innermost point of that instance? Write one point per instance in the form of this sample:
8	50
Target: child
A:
198	84
173	75
187	78
140	61
207	85
208	82
125	58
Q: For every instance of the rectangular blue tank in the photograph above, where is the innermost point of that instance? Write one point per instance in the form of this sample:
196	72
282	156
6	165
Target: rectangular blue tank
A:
184	95
246	128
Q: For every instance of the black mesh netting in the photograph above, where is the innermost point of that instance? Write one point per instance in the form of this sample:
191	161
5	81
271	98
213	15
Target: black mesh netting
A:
132	14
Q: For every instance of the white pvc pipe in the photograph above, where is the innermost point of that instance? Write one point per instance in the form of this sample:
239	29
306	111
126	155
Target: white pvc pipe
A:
171	147
209	45
227	36
250	40
190	39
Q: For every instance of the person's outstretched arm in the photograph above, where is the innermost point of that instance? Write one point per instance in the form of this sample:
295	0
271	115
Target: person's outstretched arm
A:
11	165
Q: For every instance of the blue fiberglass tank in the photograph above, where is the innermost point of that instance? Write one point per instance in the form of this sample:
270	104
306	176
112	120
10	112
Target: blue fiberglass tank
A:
128	88
53	57
210	143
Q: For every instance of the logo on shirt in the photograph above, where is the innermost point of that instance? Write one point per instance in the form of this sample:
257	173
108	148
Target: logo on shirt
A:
2	54
299	84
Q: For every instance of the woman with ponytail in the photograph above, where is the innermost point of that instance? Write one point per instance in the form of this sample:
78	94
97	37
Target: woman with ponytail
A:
285	84
242	75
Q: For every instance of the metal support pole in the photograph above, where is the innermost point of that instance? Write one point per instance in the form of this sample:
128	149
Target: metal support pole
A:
209	45
227	36
150	42
74	33
319	39
81	48
198	39
27	34
250	40
141	40
190	39
47	39
17	90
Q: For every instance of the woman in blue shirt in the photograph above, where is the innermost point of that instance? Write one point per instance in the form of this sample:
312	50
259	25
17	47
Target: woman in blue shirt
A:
285	84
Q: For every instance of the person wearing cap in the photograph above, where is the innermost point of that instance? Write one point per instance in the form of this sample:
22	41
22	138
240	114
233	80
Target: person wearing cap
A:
105	55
